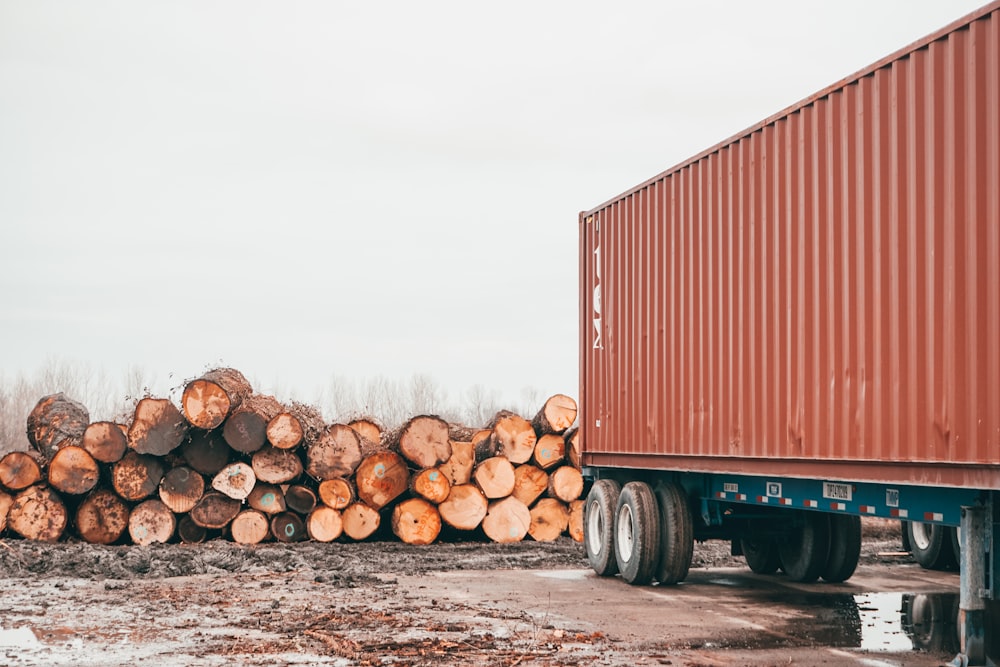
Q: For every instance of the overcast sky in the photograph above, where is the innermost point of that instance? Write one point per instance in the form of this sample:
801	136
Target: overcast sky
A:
302	189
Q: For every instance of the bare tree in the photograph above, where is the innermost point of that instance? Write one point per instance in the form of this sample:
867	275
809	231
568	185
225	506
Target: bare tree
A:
480	405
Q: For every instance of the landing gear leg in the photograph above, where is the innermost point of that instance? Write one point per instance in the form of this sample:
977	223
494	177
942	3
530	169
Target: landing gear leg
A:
973	592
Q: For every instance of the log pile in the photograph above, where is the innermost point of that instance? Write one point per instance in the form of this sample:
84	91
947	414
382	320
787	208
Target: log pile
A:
233	464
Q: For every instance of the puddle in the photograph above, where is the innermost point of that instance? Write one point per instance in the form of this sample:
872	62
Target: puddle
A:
565	575
18	638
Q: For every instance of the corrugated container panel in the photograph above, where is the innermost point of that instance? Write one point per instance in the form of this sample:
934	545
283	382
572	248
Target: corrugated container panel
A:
817	296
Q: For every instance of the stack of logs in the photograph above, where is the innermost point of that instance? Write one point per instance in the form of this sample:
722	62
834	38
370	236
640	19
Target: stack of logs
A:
235	464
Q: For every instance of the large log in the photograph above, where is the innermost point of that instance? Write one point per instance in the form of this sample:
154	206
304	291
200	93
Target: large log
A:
511	436
299	424
157	427
416	521
106	441
151	522
431	485
381	478
19	470
495	477
250	527
206	451
336	493
506	520
300	498
336	453
575	527
464	508
267	498
288	527
557	414
458	467
549	452
73	471
181	489
236	480
530	482
370	432
102	517
573	439
360	521
137	476
38	513
55	421
214	510
549	518
424	442
324	524
6	500
190	532
565	483
245	429
208	400
276	466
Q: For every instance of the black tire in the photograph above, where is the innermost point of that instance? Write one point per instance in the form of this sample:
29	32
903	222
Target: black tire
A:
931	545
761	554
804	551
845	548
676	534
637	533
598	526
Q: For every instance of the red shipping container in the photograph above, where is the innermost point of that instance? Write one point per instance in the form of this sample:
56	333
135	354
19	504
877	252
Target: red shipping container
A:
818	296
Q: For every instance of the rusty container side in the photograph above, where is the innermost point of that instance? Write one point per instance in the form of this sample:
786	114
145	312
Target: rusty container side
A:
818	296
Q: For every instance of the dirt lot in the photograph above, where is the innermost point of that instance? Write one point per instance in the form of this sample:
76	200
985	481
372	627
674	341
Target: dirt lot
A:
470	603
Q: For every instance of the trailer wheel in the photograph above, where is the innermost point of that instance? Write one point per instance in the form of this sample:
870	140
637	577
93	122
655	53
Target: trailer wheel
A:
804	551
676	534
845	548
598	523
637	533
932	545
761	554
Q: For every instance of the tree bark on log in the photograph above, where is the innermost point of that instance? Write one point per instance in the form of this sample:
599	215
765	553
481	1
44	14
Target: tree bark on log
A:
299	424
55	421
512	437
336	493
157	427
458	468
431	485
530	482
6	500
424	442
208	400
151	522
214	510
506	520
557	414
206	451
236	480
288	527
336	453
250	527
573	440
137	476
300	498
550	450
19	470
190	532
73	471
370	433
381	478
245	429
549	519
267	498
566	484
464	508
360	521
324	524
181	489
416	521
276	466
575	527
105	441
495	477
38	513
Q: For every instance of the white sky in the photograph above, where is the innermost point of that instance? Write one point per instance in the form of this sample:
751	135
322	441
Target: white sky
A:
302	189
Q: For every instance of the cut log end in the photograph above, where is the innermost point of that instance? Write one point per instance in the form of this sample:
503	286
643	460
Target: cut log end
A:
507	520
208	400
151	522
416	521
557	414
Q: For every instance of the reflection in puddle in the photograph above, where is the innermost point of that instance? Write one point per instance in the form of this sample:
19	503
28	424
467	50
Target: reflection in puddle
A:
568	575
18	638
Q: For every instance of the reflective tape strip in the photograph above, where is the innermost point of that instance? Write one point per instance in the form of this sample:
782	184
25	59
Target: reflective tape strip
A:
811	503
762	499
867	509
785	501
899	514
720	494
933	516
741	496
840	507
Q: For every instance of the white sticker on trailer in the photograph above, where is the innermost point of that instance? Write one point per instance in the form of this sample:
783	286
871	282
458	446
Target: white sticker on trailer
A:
836	491
731	487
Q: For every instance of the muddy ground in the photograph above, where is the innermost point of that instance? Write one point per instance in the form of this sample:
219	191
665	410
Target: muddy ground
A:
372	603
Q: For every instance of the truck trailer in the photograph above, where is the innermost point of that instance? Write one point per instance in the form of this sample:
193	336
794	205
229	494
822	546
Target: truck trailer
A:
800	327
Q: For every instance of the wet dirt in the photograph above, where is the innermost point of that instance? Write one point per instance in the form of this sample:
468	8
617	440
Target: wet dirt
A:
467	603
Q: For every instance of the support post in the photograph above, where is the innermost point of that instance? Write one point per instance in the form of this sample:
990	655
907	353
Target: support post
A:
973	591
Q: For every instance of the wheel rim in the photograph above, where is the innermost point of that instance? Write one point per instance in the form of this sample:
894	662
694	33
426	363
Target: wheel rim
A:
595	528
920	535
625	533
